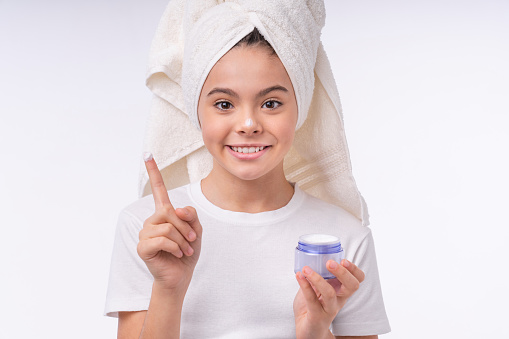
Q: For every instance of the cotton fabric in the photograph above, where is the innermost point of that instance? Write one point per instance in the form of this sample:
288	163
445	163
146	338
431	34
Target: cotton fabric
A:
244	285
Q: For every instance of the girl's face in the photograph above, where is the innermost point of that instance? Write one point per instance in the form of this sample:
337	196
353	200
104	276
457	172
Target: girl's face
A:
248	113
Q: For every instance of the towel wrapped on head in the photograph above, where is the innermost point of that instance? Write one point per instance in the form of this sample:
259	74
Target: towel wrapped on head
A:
192	36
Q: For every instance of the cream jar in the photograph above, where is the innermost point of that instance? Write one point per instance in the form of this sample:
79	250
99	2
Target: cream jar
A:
314	250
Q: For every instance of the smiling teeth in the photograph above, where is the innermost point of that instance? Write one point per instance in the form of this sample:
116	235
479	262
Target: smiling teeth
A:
248	149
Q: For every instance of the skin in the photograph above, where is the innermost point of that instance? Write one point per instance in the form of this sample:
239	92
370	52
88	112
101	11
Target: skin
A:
246	83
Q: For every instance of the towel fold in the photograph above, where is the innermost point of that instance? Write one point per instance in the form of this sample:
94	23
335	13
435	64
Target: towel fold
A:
191	37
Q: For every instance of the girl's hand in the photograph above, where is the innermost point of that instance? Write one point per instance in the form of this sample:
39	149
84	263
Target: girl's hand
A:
318	301
166	238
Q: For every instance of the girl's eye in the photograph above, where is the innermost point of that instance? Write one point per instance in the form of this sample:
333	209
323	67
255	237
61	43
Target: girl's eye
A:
271	104
223	105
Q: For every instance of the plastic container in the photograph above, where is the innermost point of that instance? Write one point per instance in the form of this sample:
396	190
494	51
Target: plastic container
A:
314	250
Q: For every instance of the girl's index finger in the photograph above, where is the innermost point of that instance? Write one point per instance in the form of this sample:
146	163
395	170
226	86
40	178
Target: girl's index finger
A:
159	191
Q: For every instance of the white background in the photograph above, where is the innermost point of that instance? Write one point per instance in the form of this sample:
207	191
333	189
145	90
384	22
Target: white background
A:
424	87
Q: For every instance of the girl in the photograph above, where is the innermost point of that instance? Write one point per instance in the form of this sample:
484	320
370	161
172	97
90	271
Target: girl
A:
218	265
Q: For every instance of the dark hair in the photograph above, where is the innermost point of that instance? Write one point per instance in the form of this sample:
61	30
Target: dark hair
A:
255	38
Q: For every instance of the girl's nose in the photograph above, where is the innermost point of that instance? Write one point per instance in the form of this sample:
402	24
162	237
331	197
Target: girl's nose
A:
249	125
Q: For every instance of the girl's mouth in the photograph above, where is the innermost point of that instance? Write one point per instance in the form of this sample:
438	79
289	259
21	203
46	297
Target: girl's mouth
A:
248	153
247	150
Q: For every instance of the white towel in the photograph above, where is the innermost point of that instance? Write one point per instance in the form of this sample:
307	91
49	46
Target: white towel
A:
192	35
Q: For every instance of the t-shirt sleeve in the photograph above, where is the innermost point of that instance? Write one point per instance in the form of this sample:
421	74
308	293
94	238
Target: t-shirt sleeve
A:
130	281
364	312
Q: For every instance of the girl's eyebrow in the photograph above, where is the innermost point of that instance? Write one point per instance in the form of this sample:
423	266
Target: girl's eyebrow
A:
223	90
266	91
232	93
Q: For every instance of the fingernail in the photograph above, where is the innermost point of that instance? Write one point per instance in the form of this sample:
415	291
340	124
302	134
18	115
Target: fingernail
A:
190	251
179	254
192	235
147	156
333	264
306	270
345	263
186	212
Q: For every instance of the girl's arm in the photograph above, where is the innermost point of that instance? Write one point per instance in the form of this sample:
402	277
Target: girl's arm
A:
363	337
162	320
130	324
163	315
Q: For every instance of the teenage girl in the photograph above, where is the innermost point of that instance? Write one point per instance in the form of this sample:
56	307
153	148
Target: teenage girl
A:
219	265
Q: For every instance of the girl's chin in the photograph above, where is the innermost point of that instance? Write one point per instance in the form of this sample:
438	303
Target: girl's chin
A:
250	174
247	176
247	170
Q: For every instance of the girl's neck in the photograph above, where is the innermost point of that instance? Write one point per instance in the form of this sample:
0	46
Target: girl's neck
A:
267	193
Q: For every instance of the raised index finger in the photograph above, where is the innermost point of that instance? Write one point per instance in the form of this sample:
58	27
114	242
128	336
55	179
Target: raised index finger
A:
159	191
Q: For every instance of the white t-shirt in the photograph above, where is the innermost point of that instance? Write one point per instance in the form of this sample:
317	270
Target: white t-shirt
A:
244	285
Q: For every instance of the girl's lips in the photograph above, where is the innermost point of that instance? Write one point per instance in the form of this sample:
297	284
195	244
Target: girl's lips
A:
247	156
